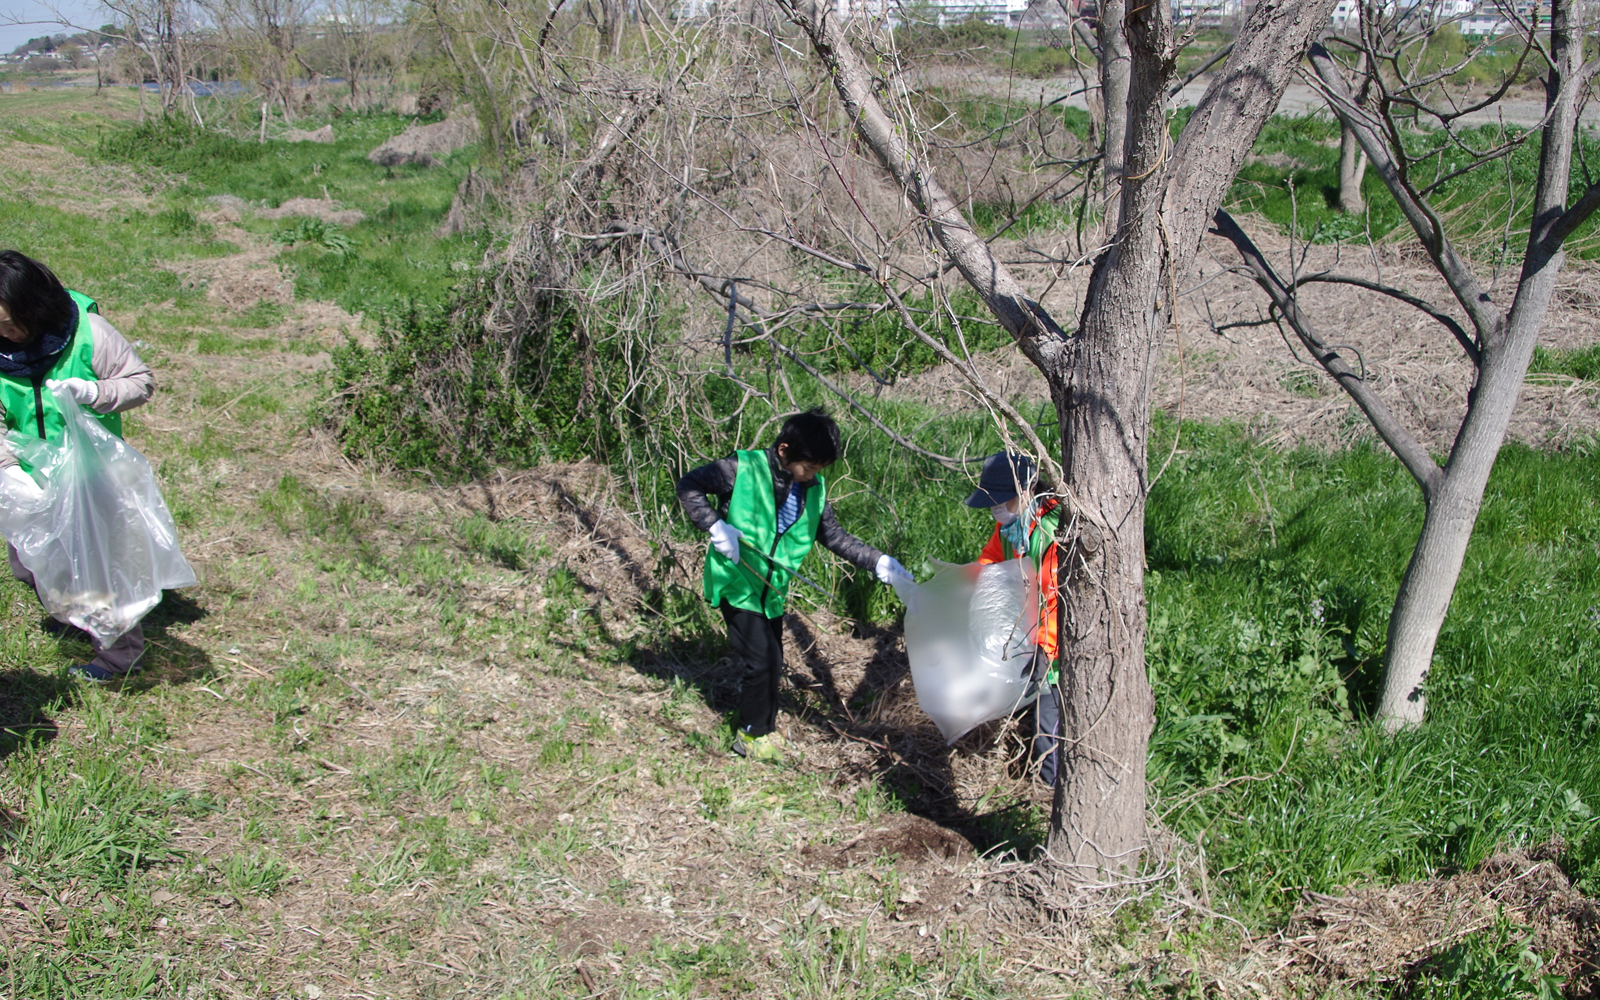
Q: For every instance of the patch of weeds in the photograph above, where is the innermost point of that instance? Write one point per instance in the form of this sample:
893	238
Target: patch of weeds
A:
193	805
504	542
256	874
1304	383
555	752
178	221
228	343
263	315
297	508
872	800
1497	964
318	233
386	870
718	967
682	697
429	773
89	817
715	800
1580	362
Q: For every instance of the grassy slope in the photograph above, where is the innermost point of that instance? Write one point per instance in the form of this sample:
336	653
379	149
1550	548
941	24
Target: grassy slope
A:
326	738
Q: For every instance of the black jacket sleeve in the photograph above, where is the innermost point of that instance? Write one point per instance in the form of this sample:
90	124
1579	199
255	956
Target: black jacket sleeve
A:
714	479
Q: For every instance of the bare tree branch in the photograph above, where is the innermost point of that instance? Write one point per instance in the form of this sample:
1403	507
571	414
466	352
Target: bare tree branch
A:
1444	318
1469	291
1410	451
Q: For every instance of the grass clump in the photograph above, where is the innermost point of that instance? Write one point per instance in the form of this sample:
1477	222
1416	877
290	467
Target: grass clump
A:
88	818
1578	362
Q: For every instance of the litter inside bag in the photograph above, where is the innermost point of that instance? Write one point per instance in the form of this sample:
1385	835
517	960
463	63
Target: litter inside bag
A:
100	542
970	634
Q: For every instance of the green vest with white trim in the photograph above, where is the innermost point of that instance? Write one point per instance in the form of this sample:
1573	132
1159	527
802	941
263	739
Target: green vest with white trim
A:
753	510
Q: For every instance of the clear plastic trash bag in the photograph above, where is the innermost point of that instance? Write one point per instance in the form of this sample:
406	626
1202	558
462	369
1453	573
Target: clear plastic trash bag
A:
99	540
970	636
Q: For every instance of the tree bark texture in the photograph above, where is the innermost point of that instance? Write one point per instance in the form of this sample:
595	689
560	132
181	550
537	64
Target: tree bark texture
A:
1352	169
1116	65
1168	194
1101	382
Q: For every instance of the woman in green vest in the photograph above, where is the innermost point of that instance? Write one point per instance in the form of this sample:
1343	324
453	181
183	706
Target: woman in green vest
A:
772	507
51	337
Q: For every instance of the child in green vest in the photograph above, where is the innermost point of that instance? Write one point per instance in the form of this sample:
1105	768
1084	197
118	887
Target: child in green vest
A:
1026	525
773	508
51	337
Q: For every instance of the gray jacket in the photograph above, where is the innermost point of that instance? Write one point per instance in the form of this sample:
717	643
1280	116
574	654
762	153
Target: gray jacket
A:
716	479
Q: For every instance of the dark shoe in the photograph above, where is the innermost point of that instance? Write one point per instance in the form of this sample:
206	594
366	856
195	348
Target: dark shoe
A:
91	673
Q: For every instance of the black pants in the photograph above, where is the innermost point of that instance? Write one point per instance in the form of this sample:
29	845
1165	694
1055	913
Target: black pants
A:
757	643
1047	741
1047	721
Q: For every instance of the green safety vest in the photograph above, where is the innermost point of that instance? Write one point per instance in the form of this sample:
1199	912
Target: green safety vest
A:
31	409
753	510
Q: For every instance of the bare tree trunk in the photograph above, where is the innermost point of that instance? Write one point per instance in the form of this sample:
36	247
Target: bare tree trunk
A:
1352	161
1352	169
1116	67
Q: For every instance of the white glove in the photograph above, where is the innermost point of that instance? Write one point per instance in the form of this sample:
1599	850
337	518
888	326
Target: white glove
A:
18	485
891	572
725	539
80	389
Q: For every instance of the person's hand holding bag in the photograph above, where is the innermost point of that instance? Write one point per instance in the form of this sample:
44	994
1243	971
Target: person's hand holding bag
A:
83	391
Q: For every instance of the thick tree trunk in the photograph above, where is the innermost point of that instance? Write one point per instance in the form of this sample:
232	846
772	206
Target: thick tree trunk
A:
1352	169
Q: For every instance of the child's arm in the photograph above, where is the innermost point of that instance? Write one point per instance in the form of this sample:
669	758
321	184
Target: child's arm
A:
712	479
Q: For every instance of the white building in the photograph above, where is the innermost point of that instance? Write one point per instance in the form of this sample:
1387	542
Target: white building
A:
1205	13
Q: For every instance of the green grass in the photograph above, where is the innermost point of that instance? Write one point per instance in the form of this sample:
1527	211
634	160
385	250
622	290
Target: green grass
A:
385	262
1578	362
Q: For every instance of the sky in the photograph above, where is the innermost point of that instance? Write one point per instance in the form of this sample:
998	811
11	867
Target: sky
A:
11	11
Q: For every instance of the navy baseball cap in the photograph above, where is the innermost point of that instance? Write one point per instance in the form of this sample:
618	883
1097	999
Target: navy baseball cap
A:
1002	473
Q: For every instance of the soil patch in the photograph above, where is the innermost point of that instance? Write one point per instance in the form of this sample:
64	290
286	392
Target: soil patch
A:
423	144
325	209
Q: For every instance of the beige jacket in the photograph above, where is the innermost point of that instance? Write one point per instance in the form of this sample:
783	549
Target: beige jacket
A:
123	379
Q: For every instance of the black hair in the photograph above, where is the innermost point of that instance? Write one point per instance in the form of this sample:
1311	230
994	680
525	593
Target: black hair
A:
811	436
36	298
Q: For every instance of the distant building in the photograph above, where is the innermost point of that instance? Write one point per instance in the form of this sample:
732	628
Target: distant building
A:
1205	13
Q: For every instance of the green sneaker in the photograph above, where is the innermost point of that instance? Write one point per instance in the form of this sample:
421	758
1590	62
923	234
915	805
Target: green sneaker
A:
768	748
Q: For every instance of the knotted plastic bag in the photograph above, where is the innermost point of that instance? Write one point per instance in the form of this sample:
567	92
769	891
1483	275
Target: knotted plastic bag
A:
100	541
970	635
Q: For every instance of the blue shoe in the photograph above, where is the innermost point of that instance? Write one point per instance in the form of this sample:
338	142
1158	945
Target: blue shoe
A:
90	673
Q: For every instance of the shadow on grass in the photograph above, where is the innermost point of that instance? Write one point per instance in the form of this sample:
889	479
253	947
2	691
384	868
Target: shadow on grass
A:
908	760
168	659
28	699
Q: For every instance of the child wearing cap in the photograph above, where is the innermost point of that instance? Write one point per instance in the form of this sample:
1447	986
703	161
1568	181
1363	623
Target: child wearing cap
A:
774	501
1025	524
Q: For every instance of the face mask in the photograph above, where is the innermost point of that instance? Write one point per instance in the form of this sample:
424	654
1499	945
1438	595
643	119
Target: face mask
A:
1015	534
1002	515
